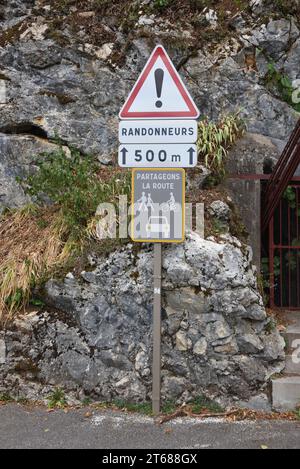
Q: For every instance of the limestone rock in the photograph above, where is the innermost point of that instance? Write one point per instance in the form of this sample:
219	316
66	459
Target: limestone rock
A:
219	210
71	89
182	341
250	343
97	339
200	347
215	339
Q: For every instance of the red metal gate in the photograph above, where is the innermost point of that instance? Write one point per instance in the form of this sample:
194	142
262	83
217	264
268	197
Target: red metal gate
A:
284	250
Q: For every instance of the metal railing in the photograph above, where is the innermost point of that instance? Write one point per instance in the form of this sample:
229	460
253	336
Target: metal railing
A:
284	251
280	177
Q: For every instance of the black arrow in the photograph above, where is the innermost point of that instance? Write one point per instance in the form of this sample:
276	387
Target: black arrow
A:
123	152
191	152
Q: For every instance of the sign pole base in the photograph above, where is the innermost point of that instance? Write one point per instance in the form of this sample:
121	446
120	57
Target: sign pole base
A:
156	367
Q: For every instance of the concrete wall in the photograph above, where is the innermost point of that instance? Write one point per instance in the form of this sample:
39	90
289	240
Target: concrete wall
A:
249	157
247	195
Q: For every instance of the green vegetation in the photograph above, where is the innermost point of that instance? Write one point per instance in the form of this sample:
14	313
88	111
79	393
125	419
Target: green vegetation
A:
168	407
5	397
41	239
36	302
57	399
271	326
285	260
76	185
219	227
291	197
86	401
144	408
161	4
214	140
236	225
201	404
265	267
281	85
141	407
198	405
240	4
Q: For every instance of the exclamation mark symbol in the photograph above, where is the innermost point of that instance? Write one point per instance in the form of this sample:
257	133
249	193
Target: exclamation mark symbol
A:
159	78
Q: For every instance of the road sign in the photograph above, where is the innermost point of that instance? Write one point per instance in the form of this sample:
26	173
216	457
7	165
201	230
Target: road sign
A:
158	131
158	198
158	195
159	155
159	92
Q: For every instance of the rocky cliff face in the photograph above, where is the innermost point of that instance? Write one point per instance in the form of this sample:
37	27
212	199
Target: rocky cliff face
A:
66	69
217	339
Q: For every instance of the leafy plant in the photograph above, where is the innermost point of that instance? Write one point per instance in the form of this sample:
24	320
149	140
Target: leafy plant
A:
281	84
36	302
57	399
265	266
270	326
5	397
38	240
276	261
161	4
214	140
75	184
197	405
219	227
15	299
86	401
202	403
168	407
291	197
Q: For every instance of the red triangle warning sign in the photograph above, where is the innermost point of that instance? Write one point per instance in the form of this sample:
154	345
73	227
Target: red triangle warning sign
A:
159	92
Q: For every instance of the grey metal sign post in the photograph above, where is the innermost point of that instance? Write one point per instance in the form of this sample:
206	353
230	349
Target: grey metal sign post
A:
156	365
158	197
158	129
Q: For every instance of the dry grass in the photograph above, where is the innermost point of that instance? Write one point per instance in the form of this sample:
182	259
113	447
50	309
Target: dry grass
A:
31	245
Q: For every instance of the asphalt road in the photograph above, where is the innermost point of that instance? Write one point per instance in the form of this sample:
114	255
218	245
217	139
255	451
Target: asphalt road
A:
31	427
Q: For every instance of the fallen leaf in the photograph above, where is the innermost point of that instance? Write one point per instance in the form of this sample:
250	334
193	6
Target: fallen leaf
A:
263	447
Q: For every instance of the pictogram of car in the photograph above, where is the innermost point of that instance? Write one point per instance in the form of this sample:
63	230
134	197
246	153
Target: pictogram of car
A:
158	225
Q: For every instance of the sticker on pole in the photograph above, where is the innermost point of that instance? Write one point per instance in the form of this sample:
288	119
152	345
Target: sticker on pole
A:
158	197
159	92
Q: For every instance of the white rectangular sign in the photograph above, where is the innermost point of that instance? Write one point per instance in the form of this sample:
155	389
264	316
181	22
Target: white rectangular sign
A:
182	155
158	131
